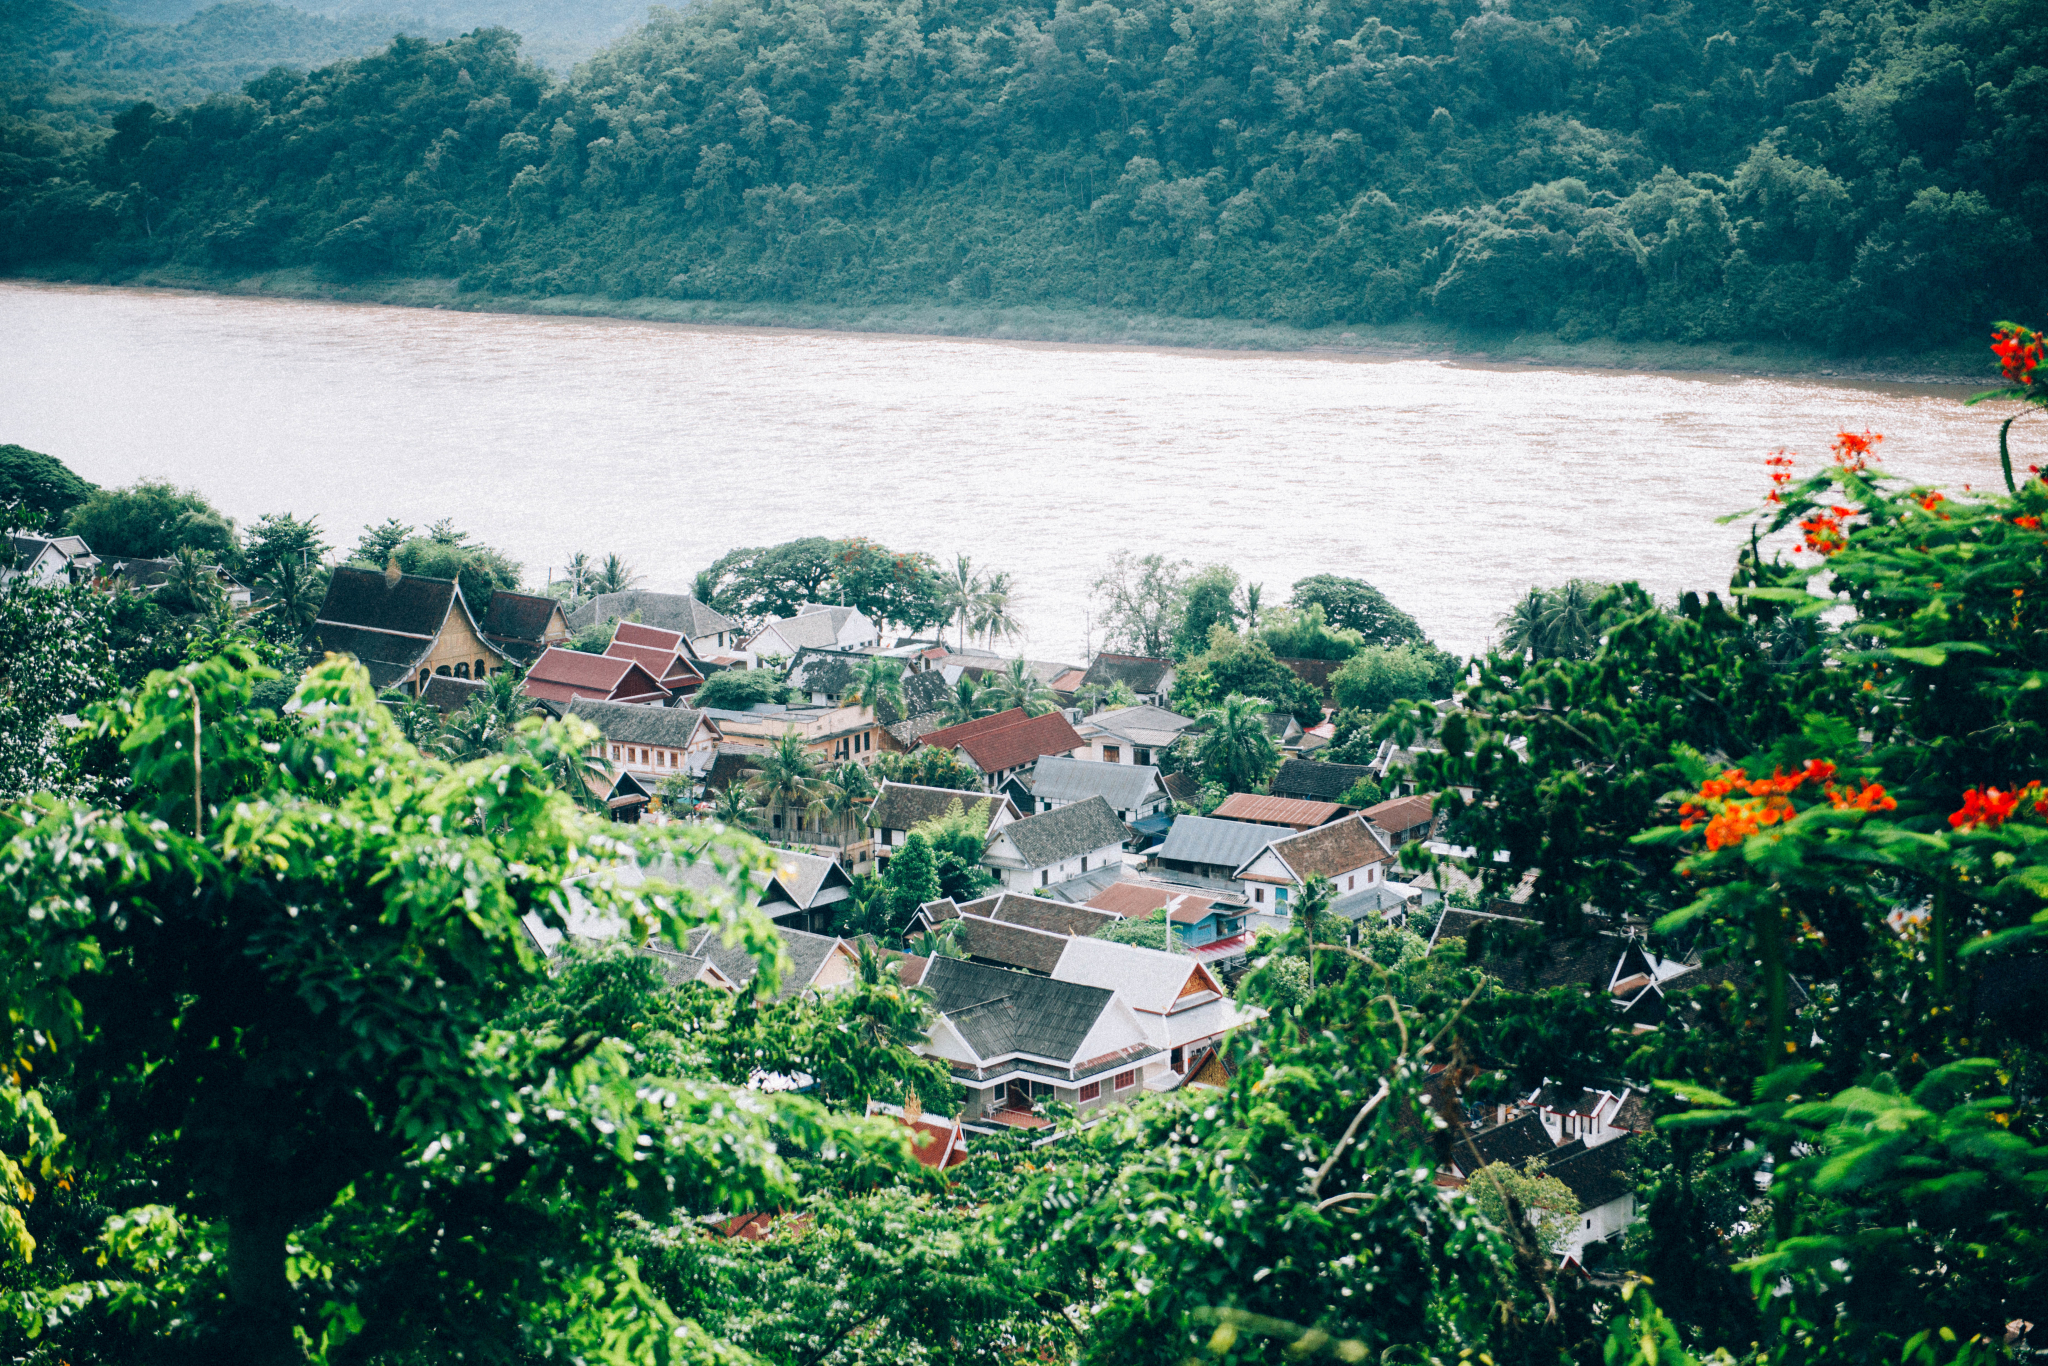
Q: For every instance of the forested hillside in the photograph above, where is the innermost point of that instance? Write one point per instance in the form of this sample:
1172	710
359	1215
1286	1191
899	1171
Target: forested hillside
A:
1846	177
60	59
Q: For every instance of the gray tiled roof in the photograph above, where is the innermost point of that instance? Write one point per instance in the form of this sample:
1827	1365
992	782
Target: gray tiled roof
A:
1155	727
669	611
1596	1175
1142	674
807	953
826	671
1058	778
1002	1013
1011	946
1039	913
898	806
1315	781
1065	833
803	876
634	724
818	628
1222	844
1514	1142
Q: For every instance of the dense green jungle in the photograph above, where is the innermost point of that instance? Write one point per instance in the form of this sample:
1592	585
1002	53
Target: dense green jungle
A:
1845	177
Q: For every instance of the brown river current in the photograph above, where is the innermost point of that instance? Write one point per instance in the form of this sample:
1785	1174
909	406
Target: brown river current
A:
1452	488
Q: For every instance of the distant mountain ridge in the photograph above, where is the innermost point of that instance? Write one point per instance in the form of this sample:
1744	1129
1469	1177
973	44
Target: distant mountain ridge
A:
554	33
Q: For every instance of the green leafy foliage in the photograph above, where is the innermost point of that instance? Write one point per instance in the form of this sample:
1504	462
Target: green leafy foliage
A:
151	519
1377	677
40	485
761	582
738	689
1354	605
1233	664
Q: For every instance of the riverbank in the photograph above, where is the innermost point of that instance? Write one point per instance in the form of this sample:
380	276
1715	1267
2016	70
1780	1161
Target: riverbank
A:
1960	365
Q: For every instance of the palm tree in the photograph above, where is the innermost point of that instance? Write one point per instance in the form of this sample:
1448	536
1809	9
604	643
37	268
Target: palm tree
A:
294	598
943	942
966	702
992	609
577	574
1017	686
960	592
1120	695
1524	630
506	698
786	778
1236	749
1571	628
1251	606
471	733
878	679
734	806
836	806
1089	698
418	722
193	582
615	576
704	588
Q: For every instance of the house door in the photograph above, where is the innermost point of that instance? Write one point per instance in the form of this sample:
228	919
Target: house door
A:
1017	1096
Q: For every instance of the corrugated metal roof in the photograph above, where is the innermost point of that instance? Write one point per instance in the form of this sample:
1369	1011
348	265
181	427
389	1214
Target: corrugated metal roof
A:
1222	844
1250	806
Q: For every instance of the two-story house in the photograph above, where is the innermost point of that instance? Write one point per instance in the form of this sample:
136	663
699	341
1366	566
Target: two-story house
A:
1132	735
405	628
1347	852
1012	1038
652	743
833	734
1038	851
1214	851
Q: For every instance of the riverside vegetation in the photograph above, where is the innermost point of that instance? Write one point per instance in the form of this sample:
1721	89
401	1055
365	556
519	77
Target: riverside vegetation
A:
1861	176
285	1081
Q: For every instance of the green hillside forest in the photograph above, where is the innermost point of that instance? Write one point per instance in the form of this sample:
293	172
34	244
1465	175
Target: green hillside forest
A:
1839	175
68	64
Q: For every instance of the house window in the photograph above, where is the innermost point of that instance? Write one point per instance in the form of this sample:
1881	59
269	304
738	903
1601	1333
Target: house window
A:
1043	874
1279	894
480	671
1112	754
1177	1059
1084	863
1091	1091
615	753
1143	756
1589	1223
1126	1080
462	669
1259	895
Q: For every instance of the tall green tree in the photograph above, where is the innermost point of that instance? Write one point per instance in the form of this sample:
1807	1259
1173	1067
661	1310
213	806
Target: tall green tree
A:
277	975
1355	605
41	485
1140	603
1015	685
152	520
1209	600
786	778
1234	748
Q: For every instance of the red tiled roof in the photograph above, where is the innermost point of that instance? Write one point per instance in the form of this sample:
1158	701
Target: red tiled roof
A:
1402	813
650	637
1137	899
1249	806
948	736
1018	742
560	675
937	1146
671	668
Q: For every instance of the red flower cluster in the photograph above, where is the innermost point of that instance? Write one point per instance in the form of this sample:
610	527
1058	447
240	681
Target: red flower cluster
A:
1729	822
2019	351
1780	463
1994	808
2030	523
1827	532
1854	452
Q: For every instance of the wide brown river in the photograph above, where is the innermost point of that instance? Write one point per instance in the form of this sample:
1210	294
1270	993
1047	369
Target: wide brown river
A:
1452	488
